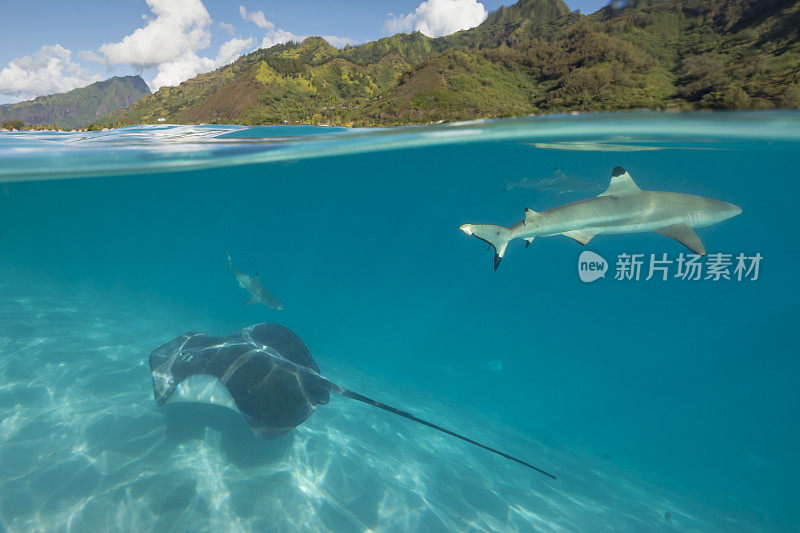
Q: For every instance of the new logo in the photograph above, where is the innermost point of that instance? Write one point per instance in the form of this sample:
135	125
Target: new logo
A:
591	266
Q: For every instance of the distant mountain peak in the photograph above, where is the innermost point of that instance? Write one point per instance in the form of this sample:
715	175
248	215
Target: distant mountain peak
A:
536	10
316	42
79	107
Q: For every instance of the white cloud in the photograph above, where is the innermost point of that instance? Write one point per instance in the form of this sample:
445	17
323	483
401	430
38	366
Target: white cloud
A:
48	71
190	64
276	35
273	35
187	66
230	28
90	55
339	42
232	49
435	18
180	27
256	17
170	41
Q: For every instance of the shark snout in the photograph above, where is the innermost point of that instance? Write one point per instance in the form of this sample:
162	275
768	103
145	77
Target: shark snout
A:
733	210
720	210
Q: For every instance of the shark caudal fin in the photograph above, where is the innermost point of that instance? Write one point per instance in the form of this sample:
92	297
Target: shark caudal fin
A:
497	237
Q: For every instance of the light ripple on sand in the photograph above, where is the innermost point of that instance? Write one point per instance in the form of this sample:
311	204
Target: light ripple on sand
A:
84	447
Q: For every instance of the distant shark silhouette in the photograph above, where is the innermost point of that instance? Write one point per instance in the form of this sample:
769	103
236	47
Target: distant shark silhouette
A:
622	208
252	284
557	183
265	372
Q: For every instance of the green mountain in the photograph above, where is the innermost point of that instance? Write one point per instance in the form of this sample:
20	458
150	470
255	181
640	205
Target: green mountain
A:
79	107
533	57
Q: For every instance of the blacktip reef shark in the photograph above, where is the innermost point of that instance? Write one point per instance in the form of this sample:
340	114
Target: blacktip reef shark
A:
264	372
622	208
557	183
252	284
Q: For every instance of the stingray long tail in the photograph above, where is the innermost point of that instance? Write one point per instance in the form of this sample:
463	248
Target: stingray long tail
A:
370	401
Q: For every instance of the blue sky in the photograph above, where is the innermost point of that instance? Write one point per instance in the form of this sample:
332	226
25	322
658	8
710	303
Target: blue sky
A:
168	41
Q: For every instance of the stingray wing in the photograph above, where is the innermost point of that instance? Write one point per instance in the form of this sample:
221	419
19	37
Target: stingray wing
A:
266	368
284	341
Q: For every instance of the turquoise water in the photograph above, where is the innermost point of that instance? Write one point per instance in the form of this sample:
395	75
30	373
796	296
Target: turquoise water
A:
659	405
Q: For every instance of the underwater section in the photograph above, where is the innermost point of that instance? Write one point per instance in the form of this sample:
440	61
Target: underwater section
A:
660	401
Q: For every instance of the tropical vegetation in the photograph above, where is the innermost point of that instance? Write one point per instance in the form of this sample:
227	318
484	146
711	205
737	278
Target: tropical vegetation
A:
533	57
76	108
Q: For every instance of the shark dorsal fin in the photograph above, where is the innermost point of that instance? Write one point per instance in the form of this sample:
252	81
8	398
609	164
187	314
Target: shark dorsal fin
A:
530	213
621	183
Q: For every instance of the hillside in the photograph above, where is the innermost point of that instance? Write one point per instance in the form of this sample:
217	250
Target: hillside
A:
532	57
79	107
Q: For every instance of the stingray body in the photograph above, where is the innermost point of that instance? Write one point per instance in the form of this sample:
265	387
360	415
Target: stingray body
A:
265	372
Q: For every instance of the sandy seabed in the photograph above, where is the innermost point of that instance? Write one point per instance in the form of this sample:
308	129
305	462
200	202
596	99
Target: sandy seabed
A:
83	447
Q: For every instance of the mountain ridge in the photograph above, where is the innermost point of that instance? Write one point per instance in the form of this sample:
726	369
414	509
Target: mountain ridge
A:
535	56
79	107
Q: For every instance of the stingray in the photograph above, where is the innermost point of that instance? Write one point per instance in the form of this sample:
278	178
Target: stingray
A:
266	373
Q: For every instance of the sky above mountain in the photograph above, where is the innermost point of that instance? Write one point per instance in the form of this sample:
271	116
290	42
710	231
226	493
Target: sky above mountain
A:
53	46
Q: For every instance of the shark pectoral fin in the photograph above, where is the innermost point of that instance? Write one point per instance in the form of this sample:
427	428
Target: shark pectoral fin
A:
684	235
581	236
251	301
528	241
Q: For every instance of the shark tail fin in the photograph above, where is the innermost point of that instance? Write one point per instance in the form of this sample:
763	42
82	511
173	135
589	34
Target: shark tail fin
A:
497	237
230	261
